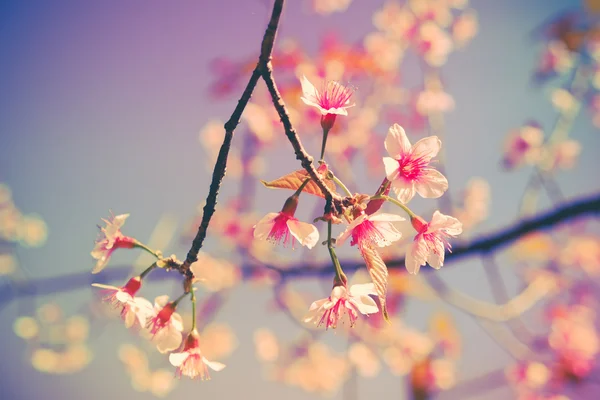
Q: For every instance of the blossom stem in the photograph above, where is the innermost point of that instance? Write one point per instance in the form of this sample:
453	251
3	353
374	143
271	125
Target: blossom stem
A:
301	188
339	274
396	202
177	300
340	184
147	271
155	253
324	143
193	298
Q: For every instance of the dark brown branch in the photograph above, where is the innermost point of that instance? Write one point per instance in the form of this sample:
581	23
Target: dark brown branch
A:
62	283
221	163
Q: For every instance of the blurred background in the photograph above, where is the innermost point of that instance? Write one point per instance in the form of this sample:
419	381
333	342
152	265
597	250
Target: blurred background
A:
119	106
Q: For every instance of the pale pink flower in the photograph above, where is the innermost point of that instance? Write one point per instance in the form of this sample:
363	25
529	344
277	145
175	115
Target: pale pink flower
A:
333	98
190	362
523	146
133	309
282	226
408	168
342	300
371	230
431	241
165	325
109	240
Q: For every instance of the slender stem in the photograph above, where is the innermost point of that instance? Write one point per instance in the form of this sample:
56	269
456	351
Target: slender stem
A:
396	202
147	271
193	298
340	184
324	143
142	246
301	188
177	300
339	274
234	120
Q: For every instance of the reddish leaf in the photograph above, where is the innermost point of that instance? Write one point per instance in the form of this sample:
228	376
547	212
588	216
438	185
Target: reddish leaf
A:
374	205
294	180
379	275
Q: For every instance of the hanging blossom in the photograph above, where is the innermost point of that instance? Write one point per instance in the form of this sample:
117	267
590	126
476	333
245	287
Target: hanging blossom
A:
133	309
282	226
408	168
374	230
109	240
190	361
165	325
332	100
342	300
431	241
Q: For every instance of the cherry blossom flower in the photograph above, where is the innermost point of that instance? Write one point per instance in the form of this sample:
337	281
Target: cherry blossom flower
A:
353	301
523	146
109	240
408	168
191	362
332	100
282	226
133	309
431	240
165	325
372	230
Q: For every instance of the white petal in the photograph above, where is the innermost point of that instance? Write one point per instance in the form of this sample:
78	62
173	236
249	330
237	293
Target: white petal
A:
436	260
317	304
384	217
123	297
307	234
177	321
404	190
102	261
109	287
215	366
389	232
161	301
446	223
310	94
427	148
176	359
416	256
391	168
396	142
264	226
338	111
167	339
129	318
344	235
119	220
365	305
363	289
432	184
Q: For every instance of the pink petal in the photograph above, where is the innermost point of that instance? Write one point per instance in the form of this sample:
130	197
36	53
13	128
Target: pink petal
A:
396	142
344	235
432	184
310	94
404	190
264	226
427	148
384	217
176	359
215	366
391	168
416	256
446	223
307	234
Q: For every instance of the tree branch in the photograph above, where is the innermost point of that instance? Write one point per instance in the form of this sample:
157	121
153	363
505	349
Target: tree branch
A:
78	280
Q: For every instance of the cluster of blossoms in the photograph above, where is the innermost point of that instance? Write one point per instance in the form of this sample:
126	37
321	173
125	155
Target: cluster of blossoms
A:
408	171
159	322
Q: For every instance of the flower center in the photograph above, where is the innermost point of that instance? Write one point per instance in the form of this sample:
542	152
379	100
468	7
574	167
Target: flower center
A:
411	168
280	231
334	95
367	234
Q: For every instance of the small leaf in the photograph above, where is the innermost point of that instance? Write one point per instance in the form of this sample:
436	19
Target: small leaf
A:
379	275
374	205
294	179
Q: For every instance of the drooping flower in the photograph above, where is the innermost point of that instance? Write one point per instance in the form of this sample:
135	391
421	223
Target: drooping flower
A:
371	230
523	146
330	310
282	226
133	309
431	241
332	100
109	240
408	168
165	325
190	362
